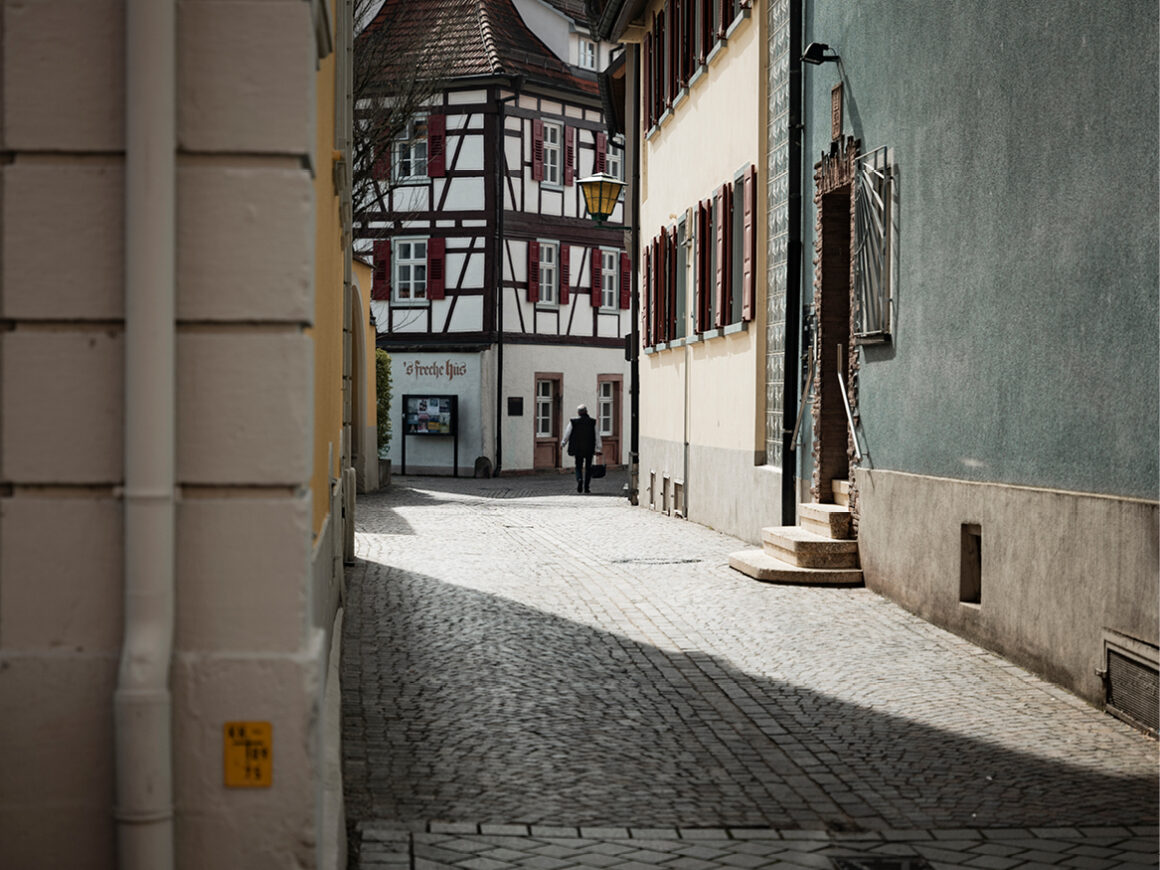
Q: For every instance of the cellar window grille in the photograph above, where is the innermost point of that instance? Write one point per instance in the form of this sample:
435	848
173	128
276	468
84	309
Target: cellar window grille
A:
1132	681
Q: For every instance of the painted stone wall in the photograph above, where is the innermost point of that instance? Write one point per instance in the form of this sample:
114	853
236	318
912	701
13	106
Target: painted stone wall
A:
1026	298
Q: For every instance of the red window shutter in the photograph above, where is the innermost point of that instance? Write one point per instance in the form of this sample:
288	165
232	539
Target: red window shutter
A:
749	245
381	168
625	282
673	33
599	162
537	150
381	279
436	146
726	16
435	277
722	252
565	274
663	286
595	288
569	154
646	72
646	307
671	327
533	271
706	30
683	69
704	248
654	245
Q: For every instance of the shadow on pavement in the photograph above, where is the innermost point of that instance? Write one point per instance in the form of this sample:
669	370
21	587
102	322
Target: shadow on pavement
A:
472	707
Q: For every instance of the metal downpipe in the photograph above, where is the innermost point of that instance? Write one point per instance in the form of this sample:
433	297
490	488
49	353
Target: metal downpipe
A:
142	703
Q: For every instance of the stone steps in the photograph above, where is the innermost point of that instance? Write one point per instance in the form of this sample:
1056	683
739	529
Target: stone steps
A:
818	552
841	492
804	548
831	520
759	565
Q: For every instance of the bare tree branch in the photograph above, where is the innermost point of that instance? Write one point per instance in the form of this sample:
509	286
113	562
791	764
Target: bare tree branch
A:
395	76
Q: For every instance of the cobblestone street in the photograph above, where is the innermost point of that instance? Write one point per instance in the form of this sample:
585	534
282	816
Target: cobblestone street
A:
535	678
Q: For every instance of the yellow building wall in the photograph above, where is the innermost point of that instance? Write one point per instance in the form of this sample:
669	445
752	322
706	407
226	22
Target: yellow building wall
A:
327	333
362	274
716	130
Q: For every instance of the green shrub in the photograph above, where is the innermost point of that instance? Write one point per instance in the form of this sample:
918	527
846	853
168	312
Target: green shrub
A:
383	389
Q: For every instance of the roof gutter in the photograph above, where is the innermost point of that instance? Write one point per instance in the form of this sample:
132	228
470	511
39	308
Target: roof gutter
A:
617	17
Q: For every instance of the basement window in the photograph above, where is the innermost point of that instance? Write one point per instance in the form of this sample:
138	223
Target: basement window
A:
971	564
1131	675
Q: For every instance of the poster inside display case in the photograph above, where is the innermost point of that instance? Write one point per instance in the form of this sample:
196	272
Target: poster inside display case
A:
429	415
426	415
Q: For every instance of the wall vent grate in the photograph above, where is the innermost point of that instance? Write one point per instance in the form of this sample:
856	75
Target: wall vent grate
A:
1133	690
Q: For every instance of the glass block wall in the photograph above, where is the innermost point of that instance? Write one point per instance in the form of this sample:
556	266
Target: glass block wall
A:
778	208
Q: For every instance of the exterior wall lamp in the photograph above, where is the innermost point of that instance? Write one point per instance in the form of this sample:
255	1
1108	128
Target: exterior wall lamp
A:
601	193
816	54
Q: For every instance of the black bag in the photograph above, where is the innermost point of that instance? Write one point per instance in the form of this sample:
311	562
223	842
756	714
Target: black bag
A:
598	469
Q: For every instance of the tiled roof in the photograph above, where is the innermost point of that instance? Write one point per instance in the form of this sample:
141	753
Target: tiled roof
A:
574	9
451	39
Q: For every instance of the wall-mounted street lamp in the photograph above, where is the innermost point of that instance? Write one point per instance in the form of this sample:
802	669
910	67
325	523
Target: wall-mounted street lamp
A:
601	193
815	53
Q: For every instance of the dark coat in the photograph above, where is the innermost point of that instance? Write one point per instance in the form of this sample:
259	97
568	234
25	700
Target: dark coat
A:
582	441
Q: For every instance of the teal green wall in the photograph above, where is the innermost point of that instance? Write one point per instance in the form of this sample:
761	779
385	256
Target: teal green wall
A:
1025	135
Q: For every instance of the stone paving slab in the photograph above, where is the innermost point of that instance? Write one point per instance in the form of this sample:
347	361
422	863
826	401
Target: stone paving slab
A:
687	848
518	656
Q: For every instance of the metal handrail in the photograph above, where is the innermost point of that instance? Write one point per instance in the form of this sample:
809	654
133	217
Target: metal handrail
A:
846	405
802	408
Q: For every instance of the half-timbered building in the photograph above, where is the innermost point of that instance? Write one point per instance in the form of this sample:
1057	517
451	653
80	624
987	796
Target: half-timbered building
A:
491	283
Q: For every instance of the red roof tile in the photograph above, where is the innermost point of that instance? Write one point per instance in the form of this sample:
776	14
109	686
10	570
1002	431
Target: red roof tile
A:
452	39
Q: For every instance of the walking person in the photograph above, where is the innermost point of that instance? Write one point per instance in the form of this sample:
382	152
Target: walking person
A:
582	440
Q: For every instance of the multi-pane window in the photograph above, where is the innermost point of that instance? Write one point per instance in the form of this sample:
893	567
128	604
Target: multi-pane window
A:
544	409
410	153
609	278
549	273
614	162
587	58
552	153
606	408
410	278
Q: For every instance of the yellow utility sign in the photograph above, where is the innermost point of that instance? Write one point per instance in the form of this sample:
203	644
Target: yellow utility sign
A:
249	754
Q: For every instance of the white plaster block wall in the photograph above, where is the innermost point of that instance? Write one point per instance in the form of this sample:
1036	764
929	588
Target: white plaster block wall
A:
246	649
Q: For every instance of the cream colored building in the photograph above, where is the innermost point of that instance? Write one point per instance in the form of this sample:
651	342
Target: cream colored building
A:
702	264
186	403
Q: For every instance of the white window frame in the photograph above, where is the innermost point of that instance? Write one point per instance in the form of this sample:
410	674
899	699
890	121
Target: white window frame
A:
587	54
409	150
408	265
614	162
544	408
549	272
553	146
609	278
605	408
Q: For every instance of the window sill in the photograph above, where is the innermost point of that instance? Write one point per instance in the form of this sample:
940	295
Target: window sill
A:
742	16
551	185
734	328
680	98
702	69
410	303
715	332
411	180
718	47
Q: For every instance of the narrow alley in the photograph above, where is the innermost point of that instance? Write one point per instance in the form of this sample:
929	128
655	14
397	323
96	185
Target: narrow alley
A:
536	678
